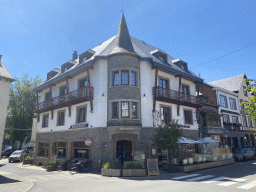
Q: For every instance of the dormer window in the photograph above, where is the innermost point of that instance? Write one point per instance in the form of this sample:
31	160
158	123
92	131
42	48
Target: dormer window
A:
182	66
162	58
65	68
84	59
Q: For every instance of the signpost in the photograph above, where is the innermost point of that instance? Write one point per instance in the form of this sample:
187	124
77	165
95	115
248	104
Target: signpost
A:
152	165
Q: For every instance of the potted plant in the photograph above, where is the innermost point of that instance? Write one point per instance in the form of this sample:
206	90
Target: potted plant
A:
112	169
52	166
28	160
134	170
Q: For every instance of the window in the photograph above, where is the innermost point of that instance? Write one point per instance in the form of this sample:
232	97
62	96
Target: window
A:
163	83
84	59
250	122
81	112
115	111
125	77
79	150
213	120
125	109
47	96
133	78
223	101
232	103
134	110
183	67
63	90
244	121
245	92
188	117
59	149
45	120
61	118
43	149
116	78
242	106
165	114
185	89
83	83
235	120
162	58
225	118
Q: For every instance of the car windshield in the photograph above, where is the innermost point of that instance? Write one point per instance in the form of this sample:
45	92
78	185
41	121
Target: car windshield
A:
16	153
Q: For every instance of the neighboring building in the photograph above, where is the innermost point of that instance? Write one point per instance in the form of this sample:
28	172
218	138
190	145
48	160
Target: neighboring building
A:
5	81
210	124
238	85
108	101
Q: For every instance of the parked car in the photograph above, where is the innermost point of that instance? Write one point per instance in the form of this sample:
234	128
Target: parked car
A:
8	151
244	154
16	156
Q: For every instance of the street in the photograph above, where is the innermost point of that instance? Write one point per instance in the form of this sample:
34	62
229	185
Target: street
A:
237	177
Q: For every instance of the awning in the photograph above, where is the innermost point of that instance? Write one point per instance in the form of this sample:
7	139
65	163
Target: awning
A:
231	112
184	140
206	140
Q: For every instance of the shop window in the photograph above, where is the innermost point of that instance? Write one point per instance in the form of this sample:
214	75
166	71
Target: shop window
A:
134	110
223	101
115	111
133	78
43	149
188	117
45	120
232	103
125	77
60	117
125	109
59	149
81	114
213	120
165	114
80	150
244	121
116	78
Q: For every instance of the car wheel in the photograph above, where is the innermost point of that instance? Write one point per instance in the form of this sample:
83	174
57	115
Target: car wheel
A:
244	158
10	161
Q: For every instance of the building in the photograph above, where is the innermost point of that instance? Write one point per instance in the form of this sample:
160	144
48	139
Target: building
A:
5	81
237	85
107	102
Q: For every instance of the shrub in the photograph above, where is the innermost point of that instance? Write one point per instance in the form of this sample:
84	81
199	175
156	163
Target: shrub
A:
134	166
53	163
107	165
28	157
114	165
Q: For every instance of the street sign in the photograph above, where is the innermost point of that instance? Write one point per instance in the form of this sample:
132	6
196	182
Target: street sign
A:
88	142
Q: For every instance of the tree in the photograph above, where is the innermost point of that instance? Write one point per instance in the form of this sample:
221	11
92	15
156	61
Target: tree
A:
167	136
21	109
251	104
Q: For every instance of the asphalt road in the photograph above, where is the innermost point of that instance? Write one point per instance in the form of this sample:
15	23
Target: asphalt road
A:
237	177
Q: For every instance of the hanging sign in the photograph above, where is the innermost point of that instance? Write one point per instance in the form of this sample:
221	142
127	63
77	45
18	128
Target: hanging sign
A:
152	165
88	142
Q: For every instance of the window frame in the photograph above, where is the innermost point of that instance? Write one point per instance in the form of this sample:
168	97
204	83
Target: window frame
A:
226	103
185	85
245	124
125	71
188	123
78	108
112	103
43	120
47	93
232	99
162	114
80	80
136	110
164	56
60	90
237	120
242	106
249	122
114	73
161	84
58	118
56	148
43	145
125	109
245	92
135	77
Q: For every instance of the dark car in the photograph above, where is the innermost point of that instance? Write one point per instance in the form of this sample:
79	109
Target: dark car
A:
28	149
8	151
244	154
16	156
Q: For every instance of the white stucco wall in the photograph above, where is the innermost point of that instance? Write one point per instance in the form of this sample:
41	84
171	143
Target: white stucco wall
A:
4	94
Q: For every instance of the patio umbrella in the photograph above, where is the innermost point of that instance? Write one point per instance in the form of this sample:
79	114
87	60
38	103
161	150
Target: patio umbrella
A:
184	140
207	140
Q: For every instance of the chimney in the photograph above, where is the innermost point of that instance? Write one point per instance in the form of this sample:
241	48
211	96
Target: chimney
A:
75	55
0	60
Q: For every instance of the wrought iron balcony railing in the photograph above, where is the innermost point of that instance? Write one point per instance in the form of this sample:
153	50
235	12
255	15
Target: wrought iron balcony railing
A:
71	98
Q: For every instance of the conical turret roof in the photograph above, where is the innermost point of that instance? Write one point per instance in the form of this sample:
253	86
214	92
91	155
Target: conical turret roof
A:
123	43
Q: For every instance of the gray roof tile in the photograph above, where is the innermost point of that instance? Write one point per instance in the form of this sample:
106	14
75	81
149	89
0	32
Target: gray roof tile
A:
5	73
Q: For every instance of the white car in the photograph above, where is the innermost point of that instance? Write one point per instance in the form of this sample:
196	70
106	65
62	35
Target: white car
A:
16	156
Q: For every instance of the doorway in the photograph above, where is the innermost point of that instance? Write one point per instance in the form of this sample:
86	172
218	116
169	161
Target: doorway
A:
124	150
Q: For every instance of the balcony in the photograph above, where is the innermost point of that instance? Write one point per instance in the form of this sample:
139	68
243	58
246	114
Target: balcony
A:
171	96
232	126
71	98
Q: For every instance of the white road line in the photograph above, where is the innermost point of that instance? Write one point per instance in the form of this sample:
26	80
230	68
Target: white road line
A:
199	178
232	182
186	176
248	185
215	179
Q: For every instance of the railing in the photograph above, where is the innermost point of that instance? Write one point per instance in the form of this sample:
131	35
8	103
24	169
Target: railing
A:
83	93
175	95
232	126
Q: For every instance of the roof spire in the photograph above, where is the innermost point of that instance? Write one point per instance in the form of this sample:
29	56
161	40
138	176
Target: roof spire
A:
123	43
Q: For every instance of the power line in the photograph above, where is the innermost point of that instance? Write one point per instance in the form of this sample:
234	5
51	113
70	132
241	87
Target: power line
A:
249	45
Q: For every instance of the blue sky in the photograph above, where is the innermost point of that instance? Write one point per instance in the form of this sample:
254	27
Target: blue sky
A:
216	38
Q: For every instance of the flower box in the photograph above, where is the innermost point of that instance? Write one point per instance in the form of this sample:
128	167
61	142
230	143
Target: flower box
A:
111	172
134	172
28	161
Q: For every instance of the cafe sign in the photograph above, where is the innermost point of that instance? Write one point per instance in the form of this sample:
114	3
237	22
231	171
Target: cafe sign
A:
88	142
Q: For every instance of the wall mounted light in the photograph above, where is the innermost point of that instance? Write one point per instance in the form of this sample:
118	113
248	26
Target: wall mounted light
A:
102	94
144	95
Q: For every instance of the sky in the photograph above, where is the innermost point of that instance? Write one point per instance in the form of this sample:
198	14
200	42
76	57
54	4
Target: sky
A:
216	38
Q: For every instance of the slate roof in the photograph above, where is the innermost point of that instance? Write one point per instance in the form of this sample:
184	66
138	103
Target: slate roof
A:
4	73
124	43
231	84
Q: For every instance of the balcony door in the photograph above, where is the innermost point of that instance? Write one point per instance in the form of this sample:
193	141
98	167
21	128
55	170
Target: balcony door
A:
186	91
163	87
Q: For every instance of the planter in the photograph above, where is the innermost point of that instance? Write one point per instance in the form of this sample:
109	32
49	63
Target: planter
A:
49	168
28	161
111	172
184	161
134	172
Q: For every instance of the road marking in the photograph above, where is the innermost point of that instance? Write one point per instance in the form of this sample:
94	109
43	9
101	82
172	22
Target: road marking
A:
232	182
199	178
215	179
186	176
248	186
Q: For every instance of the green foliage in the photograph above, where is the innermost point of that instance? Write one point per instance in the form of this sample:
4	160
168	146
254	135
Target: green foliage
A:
250	106
28	157
133	165
113	165
167	136
21	109
52	163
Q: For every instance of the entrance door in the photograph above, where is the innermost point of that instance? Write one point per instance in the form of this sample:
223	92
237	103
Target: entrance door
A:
124	150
